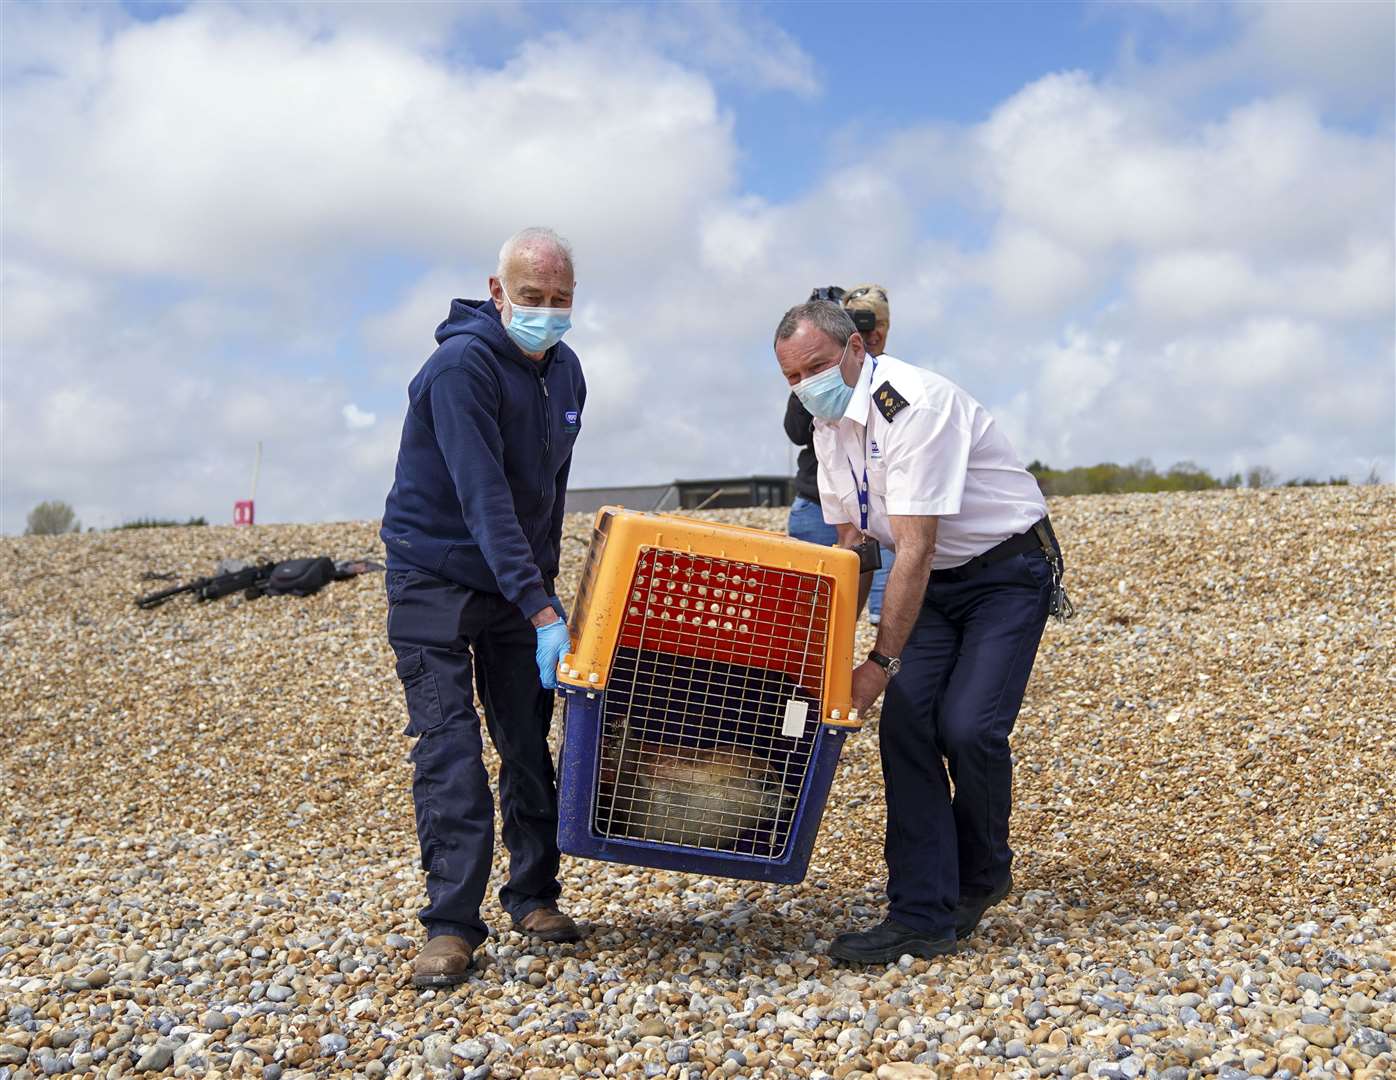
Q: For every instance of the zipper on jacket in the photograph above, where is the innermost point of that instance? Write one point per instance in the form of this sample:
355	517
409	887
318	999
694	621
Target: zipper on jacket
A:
547	440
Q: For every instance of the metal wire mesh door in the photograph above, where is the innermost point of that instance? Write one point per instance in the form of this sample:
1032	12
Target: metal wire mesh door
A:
713	704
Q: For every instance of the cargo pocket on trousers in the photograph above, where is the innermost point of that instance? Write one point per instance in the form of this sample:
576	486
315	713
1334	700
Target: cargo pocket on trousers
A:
423	699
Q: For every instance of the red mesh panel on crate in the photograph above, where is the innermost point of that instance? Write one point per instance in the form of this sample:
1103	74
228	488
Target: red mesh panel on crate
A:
730	612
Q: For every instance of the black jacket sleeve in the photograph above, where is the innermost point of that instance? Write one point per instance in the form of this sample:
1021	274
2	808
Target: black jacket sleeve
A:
799	424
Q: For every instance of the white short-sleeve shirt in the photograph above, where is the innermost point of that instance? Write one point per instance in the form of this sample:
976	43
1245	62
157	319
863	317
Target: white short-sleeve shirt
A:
940	455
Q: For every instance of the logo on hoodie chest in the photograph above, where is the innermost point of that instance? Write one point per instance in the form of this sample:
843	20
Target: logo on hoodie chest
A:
571	421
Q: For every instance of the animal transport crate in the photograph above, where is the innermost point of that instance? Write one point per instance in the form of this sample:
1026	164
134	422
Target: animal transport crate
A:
707	697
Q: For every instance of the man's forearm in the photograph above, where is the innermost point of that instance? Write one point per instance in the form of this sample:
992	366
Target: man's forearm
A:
901	602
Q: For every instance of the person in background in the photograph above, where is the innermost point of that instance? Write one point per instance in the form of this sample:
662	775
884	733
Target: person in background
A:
860	302
806	518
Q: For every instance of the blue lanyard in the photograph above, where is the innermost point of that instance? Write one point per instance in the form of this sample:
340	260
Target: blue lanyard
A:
863	487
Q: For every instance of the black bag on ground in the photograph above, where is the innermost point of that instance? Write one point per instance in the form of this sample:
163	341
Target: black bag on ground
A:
299	577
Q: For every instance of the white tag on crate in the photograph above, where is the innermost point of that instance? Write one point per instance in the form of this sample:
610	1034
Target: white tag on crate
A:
795	713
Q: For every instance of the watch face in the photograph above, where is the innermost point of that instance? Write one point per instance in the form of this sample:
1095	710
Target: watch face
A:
893	666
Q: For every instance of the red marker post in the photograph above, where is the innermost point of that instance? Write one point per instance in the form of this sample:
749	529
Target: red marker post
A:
243	513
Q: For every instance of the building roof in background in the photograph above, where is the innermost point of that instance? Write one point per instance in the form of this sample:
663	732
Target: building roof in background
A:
632	497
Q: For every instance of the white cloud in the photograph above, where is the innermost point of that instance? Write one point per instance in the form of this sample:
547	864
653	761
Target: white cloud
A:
1336	53
735	42
356	419
280	148
1341	49
1204	284
401	336
1031	273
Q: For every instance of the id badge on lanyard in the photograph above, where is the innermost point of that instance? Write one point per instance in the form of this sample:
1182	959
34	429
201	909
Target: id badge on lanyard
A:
869	550
862	488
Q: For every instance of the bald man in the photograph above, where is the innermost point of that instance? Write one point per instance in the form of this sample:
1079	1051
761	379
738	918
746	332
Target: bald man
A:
473	527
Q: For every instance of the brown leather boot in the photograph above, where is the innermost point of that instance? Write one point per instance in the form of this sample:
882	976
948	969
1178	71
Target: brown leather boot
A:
548	924
444	961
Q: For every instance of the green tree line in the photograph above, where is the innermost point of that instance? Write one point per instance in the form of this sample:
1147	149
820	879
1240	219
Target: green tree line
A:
1109	478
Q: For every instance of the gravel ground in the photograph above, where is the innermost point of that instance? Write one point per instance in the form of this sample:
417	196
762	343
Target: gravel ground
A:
207	860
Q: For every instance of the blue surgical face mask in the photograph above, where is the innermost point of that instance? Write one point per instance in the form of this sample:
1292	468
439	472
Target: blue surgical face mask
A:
536	329
826	395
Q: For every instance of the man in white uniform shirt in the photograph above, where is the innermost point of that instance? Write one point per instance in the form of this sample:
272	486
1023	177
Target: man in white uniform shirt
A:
909	459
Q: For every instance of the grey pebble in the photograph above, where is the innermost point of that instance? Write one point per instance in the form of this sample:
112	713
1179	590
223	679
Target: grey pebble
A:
473	1050
436	1049
1371	1042
333	1043
677	1053
279	993
157	1057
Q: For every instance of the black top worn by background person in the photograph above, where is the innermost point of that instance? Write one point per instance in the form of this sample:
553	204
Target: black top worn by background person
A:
799	425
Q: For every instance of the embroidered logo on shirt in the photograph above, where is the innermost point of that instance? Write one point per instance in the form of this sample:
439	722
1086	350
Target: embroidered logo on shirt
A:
874	451
888	401
570	420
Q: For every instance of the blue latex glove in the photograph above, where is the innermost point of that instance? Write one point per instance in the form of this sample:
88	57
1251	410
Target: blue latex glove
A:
553	643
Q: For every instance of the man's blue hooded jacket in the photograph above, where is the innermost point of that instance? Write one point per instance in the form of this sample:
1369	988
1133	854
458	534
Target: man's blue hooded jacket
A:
482	469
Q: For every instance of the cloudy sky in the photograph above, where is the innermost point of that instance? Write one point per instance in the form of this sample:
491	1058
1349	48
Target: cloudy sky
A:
1131	230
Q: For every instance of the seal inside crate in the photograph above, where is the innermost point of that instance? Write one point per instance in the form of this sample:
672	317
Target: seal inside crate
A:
713	703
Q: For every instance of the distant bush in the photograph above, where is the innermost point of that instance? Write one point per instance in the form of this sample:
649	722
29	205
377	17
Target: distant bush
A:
160	523
1109	478
51	519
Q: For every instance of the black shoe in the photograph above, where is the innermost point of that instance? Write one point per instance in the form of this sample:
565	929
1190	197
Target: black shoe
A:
888	942
971	908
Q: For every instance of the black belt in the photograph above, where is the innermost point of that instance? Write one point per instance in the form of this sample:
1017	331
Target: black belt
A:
1036	538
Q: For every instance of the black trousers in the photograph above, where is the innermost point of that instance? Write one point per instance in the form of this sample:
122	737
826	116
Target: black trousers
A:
450	640
964	671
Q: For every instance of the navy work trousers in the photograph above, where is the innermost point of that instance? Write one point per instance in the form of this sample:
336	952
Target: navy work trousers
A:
964	671
449	639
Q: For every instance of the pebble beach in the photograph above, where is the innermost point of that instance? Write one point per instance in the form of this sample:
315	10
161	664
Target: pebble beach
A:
208	866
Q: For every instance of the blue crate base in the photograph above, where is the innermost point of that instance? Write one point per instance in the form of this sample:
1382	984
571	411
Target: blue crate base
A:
578	776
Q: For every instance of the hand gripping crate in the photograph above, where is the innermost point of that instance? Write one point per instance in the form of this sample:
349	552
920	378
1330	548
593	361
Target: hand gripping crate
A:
707	696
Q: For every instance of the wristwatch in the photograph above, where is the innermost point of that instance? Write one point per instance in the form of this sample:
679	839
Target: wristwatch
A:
889	664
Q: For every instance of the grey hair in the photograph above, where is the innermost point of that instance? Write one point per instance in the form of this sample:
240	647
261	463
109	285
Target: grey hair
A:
828	318
535	236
